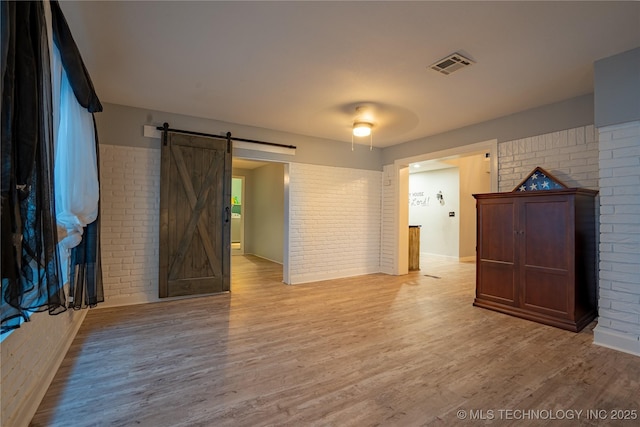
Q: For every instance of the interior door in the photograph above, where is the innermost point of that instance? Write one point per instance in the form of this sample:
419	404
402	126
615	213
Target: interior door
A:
195	215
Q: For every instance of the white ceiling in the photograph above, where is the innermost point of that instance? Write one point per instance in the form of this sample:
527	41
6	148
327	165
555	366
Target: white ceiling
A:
303	67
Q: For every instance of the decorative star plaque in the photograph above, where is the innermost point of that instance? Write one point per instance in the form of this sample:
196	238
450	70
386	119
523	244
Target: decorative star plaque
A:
540	180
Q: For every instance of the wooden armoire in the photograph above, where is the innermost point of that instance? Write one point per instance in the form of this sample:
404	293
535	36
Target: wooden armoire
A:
536	253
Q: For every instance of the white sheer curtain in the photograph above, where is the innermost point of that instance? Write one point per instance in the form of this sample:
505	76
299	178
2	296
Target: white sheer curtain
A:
75	169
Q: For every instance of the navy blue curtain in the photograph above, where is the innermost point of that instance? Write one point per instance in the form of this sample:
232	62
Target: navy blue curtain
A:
31	275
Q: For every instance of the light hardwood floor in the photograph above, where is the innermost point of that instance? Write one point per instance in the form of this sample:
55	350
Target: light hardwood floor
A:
364	351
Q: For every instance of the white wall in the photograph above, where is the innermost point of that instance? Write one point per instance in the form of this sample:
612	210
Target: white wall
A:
130	209
619	290
335	217
617	115
389	234
440	233
570	155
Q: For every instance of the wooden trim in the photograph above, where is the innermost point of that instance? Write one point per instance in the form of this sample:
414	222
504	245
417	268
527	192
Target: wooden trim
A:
508	194
165	170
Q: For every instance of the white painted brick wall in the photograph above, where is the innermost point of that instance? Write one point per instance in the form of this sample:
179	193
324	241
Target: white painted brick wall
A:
570	155
30	357
335	218
130	207
334	230
619	296
389	211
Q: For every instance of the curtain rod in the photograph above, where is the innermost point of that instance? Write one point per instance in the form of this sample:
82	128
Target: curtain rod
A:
166	128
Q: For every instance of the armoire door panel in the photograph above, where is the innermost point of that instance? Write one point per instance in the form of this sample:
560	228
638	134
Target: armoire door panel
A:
496	232
546	291
544	225
497	282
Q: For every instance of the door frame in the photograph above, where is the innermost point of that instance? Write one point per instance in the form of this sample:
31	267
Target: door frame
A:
286	272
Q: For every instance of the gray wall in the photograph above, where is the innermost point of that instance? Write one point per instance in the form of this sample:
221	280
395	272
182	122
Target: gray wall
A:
122	125
264	235
617	88
562	115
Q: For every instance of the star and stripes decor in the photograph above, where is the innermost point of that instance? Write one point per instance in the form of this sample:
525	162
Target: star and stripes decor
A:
540	180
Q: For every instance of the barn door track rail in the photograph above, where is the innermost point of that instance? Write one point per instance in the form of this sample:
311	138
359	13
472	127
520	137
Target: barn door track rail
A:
165	128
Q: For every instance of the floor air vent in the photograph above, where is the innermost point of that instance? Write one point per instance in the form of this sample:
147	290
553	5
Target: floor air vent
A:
451	63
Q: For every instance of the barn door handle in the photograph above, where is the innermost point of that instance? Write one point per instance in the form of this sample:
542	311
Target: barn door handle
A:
228	212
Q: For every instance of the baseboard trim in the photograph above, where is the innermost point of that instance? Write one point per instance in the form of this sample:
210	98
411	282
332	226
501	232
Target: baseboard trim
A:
127	300
146	299
429	254
265	258
615	340
299	279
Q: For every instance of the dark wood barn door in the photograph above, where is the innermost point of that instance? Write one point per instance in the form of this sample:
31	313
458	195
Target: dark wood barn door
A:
195	215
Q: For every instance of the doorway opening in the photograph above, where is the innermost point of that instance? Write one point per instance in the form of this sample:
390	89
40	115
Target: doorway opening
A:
260	214
237	215
472	161
441	203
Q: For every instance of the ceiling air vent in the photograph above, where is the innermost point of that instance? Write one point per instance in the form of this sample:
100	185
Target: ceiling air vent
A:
451	63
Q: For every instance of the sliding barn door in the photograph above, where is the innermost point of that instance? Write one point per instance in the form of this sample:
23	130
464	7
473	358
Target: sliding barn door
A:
195	215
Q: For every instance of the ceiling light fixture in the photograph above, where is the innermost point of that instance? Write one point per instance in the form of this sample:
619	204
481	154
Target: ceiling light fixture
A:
361	129
362	126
